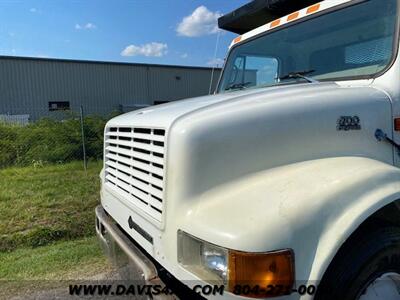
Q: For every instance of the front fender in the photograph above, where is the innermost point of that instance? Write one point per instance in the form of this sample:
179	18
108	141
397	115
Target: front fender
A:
311	207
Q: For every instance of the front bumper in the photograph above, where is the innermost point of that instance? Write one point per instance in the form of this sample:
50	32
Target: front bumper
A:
132	262
123	253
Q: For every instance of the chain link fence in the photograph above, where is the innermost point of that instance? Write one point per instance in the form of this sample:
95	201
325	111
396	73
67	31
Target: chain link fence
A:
69	135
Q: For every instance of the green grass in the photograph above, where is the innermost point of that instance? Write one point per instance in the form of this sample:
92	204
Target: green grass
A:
40	205
47	227
55	266
66	260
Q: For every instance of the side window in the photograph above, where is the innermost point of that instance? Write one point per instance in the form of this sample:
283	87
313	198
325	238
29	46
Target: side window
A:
261	70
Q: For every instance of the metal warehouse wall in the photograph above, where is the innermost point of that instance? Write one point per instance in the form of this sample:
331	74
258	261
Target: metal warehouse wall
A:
27	85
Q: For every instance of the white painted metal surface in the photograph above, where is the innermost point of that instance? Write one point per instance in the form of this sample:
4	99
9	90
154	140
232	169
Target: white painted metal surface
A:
266	169
277	181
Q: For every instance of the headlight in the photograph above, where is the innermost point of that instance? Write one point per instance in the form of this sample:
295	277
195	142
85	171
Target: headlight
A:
218	265
203	259
214	259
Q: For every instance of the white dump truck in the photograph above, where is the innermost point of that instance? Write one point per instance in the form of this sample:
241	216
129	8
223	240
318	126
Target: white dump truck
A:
285	183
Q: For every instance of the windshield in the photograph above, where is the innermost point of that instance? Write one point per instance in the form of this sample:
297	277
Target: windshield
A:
353	42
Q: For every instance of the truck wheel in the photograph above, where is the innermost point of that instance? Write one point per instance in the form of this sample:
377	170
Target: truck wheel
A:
367	267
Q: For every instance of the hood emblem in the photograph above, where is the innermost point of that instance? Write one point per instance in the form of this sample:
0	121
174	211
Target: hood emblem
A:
347	123
138	229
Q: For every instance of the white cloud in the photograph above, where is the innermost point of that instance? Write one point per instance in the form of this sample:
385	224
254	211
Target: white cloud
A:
184	55
87	26
33	10
216	62
150	49
201	22
90	26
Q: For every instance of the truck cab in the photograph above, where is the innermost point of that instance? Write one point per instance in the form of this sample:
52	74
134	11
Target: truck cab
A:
284	183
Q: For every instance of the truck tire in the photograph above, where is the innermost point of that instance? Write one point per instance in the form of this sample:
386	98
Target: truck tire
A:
367	267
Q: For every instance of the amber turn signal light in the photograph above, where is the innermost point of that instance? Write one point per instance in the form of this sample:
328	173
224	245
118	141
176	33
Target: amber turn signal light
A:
397	124
261	275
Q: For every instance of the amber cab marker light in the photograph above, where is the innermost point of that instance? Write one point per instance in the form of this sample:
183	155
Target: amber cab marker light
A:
275	23
237	39
397	124
313	8
293	16
261	275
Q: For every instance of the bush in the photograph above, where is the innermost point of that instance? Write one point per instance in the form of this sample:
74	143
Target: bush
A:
51	141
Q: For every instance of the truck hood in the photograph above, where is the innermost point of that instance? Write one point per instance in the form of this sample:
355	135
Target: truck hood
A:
162	116
217	142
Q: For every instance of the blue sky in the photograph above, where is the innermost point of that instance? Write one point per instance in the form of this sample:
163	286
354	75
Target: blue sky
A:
179	32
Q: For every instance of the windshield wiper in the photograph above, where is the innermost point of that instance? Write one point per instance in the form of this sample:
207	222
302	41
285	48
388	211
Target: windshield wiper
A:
301	74
237	86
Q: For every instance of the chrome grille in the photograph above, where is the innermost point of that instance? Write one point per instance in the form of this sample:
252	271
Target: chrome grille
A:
134	166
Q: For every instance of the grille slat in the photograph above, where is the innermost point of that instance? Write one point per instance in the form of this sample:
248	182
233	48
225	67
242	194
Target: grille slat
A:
134	166
136	135
135	182
122	180
152	137
135	154
145	178
138	164
136	145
